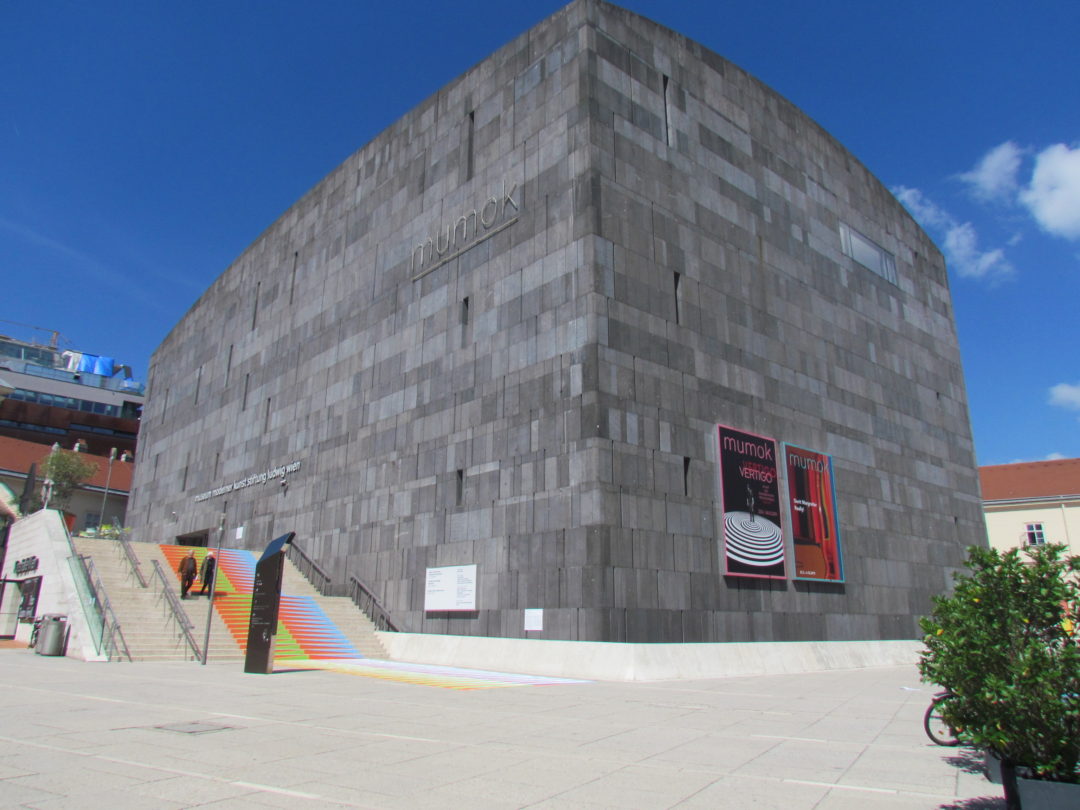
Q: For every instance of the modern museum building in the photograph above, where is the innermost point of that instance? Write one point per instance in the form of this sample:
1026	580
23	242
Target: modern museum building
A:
604	341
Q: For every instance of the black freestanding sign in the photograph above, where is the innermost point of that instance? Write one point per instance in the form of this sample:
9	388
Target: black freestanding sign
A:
265	601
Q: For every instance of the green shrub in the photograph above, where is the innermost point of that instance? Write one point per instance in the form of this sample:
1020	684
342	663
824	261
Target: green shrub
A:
1006	643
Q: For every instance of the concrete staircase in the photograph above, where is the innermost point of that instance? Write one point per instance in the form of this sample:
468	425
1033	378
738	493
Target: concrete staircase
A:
350	620
152	636
143	613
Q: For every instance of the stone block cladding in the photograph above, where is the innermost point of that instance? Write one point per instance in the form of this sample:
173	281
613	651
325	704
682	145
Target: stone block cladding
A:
504	331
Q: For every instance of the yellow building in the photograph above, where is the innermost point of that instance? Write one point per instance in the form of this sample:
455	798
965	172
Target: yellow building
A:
1032	503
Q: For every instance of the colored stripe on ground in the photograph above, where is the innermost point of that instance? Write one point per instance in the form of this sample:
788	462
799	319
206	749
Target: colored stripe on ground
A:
427	675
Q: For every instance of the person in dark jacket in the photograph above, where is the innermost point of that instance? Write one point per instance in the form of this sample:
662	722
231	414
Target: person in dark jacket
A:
206	574
188	569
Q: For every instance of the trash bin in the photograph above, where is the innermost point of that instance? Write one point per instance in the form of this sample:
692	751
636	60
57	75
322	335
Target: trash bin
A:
52	635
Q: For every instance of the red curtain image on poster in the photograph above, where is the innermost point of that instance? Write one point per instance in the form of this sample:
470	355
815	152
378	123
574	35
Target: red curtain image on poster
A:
814	529
750	504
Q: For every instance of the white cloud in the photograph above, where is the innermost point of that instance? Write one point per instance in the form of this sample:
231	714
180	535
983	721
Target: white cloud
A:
1055	456
925	212
994	176
959	240
1066	396
1053	195
962	251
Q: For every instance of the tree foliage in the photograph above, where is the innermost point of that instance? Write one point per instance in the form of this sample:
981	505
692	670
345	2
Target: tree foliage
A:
1006	643
67	470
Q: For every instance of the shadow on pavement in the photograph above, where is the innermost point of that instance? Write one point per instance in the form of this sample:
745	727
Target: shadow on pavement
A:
970	761
967	760
981	803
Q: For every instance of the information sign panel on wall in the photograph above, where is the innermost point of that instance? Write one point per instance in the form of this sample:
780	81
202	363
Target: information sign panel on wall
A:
814	527
534	620
754	543
450	587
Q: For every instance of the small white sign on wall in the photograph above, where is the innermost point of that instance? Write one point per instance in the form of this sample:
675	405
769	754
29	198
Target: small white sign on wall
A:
450	587
534	619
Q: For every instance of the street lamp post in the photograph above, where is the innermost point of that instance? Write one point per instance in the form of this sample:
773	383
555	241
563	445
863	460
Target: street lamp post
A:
213	586
108	479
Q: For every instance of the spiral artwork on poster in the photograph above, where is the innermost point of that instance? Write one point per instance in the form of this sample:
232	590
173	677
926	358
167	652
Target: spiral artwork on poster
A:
754	543
814	528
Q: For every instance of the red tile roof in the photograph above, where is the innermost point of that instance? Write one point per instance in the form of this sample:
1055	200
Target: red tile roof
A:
1033	479
17	455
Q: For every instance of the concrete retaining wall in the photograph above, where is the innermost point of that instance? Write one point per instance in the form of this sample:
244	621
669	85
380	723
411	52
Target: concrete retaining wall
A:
606	661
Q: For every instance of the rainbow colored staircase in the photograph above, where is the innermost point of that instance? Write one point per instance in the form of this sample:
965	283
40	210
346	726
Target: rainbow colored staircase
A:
305	632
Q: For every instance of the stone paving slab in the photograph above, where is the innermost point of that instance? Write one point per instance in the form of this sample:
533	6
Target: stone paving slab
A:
176	734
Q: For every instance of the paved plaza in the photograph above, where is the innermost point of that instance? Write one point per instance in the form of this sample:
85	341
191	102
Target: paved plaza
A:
165	735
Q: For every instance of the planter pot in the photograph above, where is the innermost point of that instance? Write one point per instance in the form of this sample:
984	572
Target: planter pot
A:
992	767
1038	794
1022	793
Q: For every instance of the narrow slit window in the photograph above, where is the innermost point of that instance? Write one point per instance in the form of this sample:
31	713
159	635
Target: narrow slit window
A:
243	401
459	494
266	417
686	475
464	321
198	384
470	156
255	305
292	280
667	114
678	278
228	364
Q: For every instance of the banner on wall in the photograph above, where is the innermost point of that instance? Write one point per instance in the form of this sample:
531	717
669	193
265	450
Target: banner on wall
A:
814	527
754	543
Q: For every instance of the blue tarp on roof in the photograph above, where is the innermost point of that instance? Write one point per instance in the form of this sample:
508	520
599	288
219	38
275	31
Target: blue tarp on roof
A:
104	366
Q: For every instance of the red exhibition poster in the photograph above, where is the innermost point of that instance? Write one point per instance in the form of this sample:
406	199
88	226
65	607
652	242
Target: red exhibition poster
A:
814	528
754	543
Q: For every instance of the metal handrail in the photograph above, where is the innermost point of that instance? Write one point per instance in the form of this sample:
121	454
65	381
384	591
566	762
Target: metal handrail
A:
110	625
88	599
309	568
179	615
133	561
364	599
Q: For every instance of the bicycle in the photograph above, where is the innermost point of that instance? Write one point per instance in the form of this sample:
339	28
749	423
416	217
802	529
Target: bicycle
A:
34	633
937	727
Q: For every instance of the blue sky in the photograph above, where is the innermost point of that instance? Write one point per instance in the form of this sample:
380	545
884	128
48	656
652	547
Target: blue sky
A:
144	146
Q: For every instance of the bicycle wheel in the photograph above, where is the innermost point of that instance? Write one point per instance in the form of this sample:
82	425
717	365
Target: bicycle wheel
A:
937	729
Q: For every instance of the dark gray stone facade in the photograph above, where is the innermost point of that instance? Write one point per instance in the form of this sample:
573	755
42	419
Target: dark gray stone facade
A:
631	241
